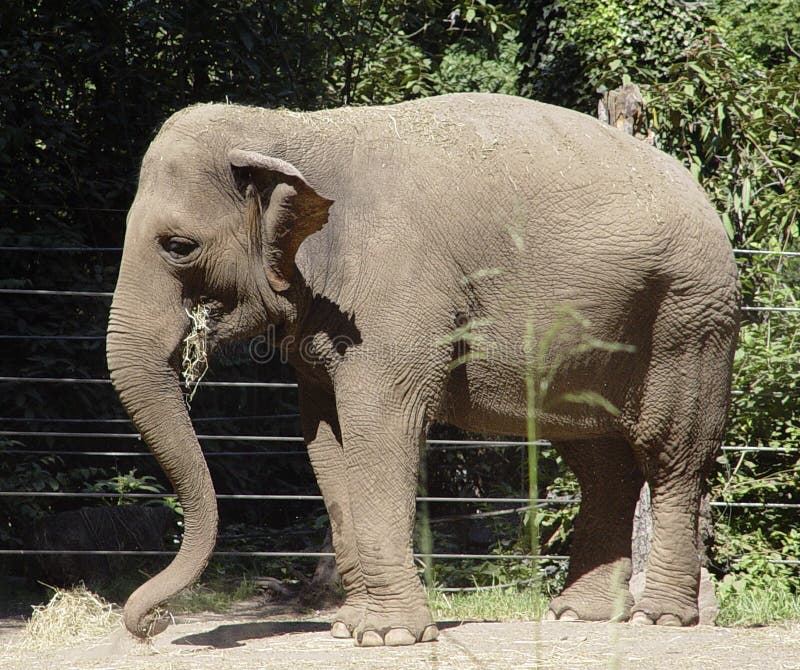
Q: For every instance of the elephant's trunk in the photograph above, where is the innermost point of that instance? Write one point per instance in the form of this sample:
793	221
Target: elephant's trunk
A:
144	335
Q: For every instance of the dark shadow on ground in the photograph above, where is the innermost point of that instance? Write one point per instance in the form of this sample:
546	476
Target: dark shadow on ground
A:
230	636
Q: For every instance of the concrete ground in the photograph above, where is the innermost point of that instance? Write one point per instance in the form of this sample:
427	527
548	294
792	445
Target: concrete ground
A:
277	638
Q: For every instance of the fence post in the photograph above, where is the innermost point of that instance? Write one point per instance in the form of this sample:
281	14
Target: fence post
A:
624	109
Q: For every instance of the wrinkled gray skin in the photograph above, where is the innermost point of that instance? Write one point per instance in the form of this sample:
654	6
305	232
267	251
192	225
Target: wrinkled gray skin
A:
376	237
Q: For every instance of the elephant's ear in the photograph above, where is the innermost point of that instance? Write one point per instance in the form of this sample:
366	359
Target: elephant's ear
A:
282	210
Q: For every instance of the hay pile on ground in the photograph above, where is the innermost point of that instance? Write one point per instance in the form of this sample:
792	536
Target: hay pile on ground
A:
72	617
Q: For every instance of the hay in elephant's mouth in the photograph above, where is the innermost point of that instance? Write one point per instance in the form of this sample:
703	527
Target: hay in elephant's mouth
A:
72	617
195	350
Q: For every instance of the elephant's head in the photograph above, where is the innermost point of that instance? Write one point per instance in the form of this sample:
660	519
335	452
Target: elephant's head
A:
216	220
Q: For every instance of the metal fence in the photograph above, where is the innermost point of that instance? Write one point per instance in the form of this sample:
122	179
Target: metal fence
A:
292	444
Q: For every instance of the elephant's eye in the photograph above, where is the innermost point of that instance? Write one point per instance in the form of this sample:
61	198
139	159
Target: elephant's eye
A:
178	248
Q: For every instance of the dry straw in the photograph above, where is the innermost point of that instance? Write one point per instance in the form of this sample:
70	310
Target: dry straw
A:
195	353
72	617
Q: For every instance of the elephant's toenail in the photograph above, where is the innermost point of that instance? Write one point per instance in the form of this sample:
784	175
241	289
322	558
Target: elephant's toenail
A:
641	619
430	633
569	615
370	639
399	637
550	615
340	630
669	620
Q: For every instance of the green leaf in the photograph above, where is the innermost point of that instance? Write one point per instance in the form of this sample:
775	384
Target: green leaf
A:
726	223
591	399
746	194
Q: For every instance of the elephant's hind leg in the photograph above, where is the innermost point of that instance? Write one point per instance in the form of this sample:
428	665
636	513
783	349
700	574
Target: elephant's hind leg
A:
600	558
323	439
676	439
676	479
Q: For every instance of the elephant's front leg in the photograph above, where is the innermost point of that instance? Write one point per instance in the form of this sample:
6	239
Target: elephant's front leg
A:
324	441
382	433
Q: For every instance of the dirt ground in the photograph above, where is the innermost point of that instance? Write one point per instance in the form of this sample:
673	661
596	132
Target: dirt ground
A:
278	638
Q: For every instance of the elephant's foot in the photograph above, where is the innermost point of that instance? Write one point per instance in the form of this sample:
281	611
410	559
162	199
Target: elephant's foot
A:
649	611
578	603
396	629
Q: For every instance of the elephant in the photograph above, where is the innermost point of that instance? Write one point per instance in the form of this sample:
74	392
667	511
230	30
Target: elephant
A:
442	260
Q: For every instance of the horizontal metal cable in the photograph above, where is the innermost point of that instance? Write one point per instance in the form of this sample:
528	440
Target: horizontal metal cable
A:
317	555
208	454
757	505
39	419
434	444
73	452
201	419
30	291
80	380
264	438
780	450
770	309
61	249
764	394
136	436
265	554
149	496
139	454
145	552
760	252
272	496
430	499
52	337
55	380
60	208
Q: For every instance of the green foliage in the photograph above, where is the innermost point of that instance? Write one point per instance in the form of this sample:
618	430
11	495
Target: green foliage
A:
572	48
488	605
216	593
33	473
123	484
735	126
764	413
737	129
768	31
742	603
403	50
469	66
